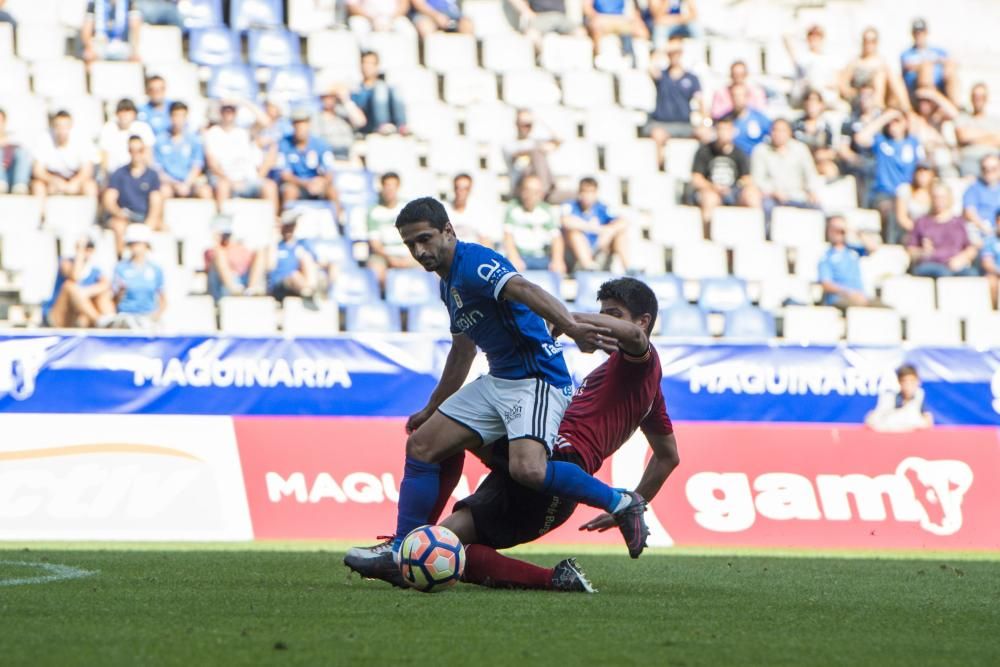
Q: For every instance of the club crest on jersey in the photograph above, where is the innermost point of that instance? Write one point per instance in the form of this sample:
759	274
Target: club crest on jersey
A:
456	297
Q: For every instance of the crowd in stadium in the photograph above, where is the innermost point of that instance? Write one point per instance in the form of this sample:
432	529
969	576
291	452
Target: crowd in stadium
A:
724	186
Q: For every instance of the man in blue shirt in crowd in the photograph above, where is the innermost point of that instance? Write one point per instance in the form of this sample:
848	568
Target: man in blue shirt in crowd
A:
181	158
840	269
593	231
291	267
676	89
383	107
133	194
752	126
928	66
981	202
156	111
305	163
138	282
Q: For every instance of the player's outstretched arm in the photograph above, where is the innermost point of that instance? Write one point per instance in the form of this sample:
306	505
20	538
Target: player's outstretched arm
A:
456	369
628	336
551	309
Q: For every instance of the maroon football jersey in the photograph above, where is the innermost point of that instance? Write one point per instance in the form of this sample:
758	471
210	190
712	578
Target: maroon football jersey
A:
619	396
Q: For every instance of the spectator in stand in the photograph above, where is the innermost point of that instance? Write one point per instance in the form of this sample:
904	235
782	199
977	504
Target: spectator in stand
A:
871	69
897	154
305	163
292	268
15	162
904	411
677	91
931	124
233	268
386	249
382	105
784	170
855	159
430	16
537	17
816	132
5	16
594	232
338	119
528	153
751	125
133	195
156	111
939	245
110	31
673	19
64	164
913	200
721	174
981	202
613	17
470	222
840	269
272	121
160	12
977	131
367	16
531	237
180	158
81	296
928	66
138	283
815	69
114	139
722	101
237	165
989	258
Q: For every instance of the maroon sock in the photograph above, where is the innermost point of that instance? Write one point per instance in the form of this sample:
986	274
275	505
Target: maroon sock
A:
487	567
451	472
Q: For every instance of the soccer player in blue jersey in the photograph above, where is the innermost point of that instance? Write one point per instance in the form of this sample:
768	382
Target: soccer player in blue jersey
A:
523	397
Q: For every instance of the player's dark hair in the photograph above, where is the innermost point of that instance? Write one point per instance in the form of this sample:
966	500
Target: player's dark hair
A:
178	106
424	209
907	369
62	113
588	181
634	295
389	175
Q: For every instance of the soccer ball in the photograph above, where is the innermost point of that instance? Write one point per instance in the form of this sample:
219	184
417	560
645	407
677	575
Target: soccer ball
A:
432	559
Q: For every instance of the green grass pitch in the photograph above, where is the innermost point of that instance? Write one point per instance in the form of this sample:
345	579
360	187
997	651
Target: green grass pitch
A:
296	605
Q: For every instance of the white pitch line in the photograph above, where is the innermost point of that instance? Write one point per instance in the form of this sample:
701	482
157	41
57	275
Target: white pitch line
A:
55	572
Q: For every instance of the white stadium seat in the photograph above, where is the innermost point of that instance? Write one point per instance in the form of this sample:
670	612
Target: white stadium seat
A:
863	220
161	44
41	41
332	48
588	89
432	121
13	77
816	325
611	125
677	226
680	157
188	218
887	261
111	81
322	318
492	122
964	296
530	89
652	191
636	90
909	294
449	52
507	52
696	260
391	153
395	51
307	17
574	158
487	16
182	83
69	218
469	86
775	291
798	227
807	259
19	212
874	326
414	84
59	78
253	220
724	52
248	315
6	42
933	328
733	226
760	261
566	53
453	155
189	315
983	330
628	158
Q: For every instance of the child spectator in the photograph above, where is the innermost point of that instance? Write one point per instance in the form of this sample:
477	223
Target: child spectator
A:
181	159
138	283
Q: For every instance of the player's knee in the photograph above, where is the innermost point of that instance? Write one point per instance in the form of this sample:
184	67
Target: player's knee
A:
419	449
528	472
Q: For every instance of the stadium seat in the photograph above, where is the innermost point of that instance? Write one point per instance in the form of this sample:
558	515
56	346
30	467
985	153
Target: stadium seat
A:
246	14
557	120
807	259
469	86
307	17
776	291
87	112
188	218
721	295
333	48
232	82
982	330
812	325
394	51
59	78
933	328
190	315
547	280
487	16
574	158
411	287
27	118
432	122
6	42
668	288
964	296
679	157
909	294
610	188
609	126
566	53
839	196
432	318
530	89
874	326
636	90
13	78
887	261
32	253
253	220
724	52
69	218
391	153
798	227
863	220
507	52
213	46
449	52
587	284
200	13
682	320
698	260
111	81
248	315
373	317
677	226
291	85
18	213
183	83
588	89
653	191
354	287
320	318
416	85
161	44
733	226
628	158
41	41
272	48
760	261
749	323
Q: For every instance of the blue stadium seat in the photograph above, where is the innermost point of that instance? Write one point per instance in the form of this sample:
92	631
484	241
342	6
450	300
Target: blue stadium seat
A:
376	316
246	14
292	85
547	280
356	187
334	251
201	13
354	287
668	288
750	323
214	46
273	48
232	82
721	295
411	287
682	320
587	284
429	318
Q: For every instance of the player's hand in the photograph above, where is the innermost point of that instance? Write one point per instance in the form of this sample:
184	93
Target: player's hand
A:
588	336
418	418
600	523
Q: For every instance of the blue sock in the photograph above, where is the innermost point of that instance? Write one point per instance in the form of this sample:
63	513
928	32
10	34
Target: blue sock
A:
569	480
418	493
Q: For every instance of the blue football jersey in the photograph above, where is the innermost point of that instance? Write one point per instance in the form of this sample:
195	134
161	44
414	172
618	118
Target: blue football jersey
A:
516	340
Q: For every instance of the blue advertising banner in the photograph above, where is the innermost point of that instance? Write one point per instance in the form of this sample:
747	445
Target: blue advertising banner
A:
386	376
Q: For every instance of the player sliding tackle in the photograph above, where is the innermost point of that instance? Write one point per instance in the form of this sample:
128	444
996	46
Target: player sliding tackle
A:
523	397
